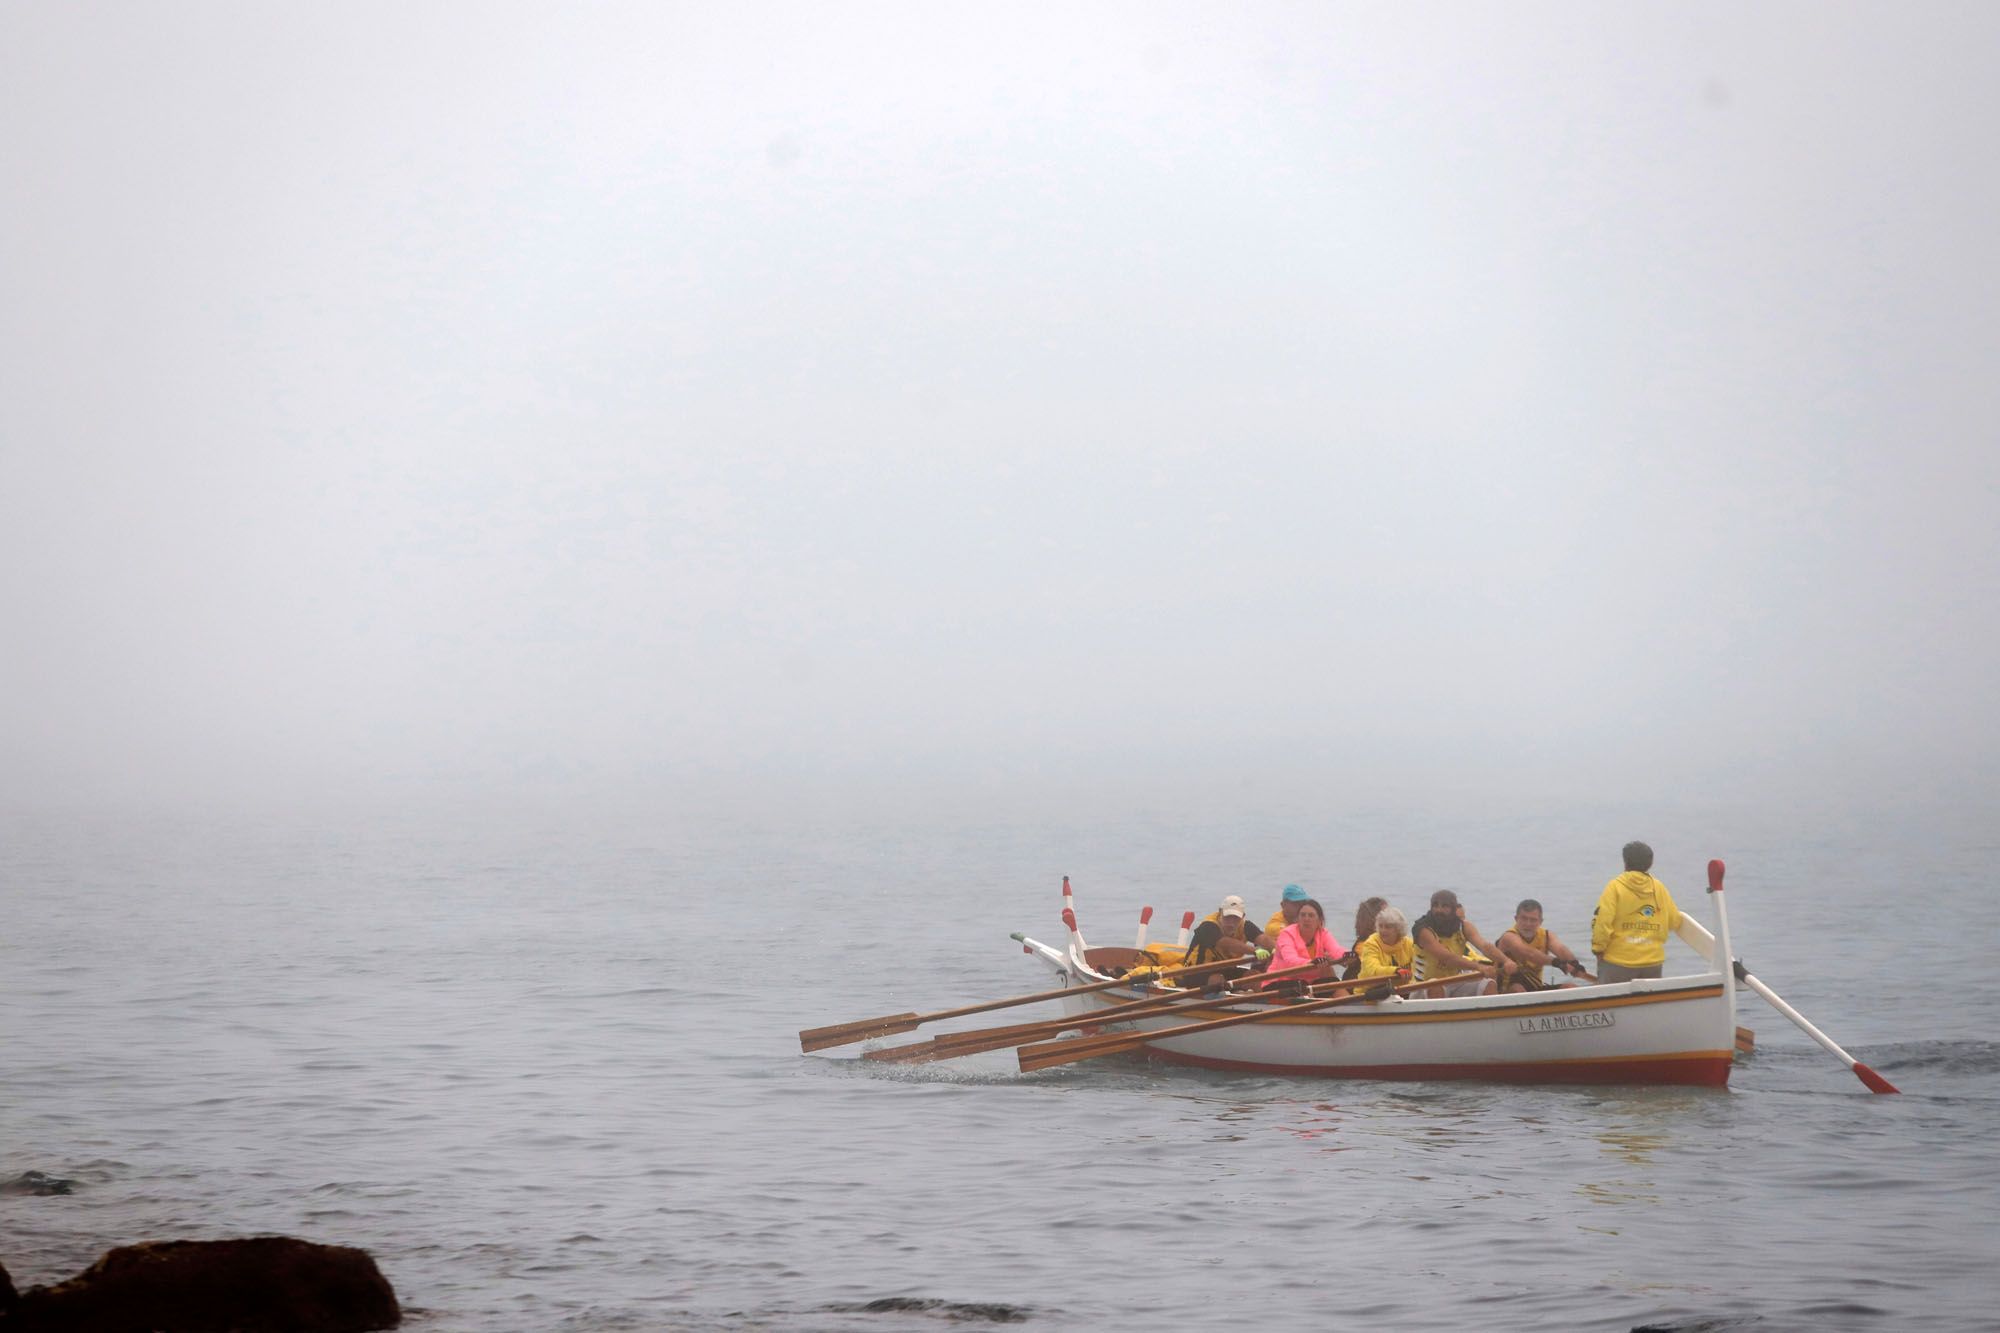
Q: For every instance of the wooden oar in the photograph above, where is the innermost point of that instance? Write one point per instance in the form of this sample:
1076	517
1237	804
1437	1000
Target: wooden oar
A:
1539	984
1873	1081
1052	1053
1162	999
841	1034
951	1045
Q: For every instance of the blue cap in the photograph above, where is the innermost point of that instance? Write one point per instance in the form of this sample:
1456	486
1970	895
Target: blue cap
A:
1294	894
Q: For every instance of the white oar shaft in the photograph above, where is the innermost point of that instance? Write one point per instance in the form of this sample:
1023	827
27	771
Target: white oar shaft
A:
1696	937
1772	997
1703	943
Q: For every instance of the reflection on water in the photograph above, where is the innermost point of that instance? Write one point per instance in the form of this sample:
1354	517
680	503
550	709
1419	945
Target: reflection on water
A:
1634	1146
1616	1193
1631	1148
1320	1121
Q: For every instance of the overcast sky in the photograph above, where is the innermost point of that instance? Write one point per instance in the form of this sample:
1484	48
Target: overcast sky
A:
1566	399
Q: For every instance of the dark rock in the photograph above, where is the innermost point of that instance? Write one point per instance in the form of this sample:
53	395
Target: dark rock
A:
265	1284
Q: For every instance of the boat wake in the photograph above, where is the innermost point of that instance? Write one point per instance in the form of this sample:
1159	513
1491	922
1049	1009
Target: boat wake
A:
982	1312
1961	1059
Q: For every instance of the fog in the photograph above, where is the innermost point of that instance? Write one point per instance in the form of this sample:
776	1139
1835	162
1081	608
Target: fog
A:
1567	402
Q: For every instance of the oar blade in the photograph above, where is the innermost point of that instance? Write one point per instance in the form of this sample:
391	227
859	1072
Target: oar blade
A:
844	1034
1874	1081
926	1052
1048	1055
916	1051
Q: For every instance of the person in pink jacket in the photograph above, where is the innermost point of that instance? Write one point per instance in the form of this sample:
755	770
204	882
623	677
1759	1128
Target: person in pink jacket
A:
1305	940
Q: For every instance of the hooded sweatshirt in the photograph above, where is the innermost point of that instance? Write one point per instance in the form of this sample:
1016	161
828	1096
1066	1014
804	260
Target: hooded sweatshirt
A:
1633	918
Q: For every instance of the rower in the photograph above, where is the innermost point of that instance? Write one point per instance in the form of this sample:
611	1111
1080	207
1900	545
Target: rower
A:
1447	943
1364	926
1307	941
1387	951
1287	913
1535	947
1238	936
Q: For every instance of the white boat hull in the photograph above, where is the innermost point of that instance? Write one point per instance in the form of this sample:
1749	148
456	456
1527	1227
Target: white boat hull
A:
1675	1030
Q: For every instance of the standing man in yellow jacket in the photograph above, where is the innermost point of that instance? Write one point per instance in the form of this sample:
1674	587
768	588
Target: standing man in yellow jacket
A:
1634	915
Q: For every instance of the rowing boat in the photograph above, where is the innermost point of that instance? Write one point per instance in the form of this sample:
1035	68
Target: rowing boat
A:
1672	1030
1669	1030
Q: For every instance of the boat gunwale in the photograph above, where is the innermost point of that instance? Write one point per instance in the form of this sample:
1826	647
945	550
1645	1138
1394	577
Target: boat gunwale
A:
1463	1008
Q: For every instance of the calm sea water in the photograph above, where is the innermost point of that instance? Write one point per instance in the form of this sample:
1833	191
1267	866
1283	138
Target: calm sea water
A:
545	1067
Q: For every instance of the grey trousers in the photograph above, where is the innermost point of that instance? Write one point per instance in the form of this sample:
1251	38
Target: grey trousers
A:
1610	972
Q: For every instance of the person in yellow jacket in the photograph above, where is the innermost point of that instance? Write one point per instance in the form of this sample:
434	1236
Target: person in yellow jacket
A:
1288	912
1388	951
1634	916
1364	926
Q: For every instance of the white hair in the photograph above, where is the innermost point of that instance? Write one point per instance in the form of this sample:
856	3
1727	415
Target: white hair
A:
1391	916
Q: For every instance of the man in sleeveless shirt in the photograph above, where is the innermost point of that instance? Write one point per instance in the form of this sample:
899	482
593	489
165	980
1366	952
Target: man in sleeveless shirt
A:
1535	948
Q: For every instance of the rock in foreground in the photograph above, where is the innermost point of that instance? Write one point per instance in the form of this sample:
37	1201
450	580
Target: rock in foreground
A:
266	1284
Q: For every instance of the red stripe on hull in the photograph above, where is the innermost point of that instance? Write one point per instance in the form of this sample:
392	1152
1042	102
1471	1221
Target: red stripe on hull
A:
1703	1071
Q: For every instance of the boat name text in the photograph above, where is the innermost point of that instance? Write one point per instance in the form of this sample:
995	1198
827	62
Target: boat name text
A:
1595	1018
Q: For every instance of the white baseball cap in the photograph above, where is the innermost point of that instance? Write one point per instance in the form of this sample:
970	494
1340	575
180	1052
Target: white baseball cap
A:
1232	906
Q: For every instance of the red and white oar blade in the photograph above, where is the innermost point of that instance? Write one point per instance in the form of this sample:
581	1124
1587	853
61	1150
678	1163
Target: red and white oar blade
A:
1874	1081
1715	869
